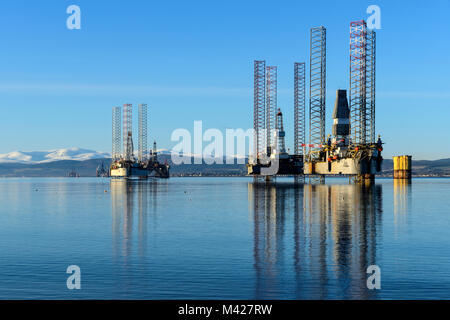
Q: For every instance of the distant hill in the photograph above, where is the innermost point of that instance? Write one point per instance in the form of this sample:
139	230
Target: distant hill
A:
87	168
28	157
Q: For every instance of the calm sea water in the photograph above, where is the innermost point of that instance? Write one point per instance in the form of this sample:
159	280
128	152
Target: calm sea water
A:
207	238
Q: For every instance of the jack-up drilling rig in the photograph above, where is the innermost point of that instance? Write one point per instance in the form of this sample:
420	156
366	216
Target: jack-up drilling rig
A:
125	165
269	156
352	150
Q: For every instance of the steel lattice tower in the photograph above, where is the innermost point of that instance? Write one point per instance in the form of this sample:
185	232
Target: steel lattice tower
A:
317	85
116	133
362	82
259	108
127	132
299	107
271	104
142	135
370	82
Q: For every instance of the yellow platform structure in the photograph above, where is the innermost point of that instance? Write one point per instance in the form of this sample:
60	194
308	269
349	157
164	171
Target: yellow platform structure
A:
402	167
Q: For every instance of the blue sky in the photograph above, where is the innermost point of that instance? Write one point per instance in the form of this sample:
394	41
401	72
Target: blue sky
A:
193	60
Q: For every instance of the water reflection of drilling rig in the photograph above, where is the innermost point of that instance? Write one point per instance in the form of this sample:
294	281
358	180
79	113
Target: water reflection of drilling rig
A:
353	150
323	236
125	165
130	210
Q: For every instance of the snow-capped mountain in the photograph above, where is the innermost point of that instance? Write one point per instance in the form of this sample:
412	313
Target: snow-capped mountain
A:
34	157
52	155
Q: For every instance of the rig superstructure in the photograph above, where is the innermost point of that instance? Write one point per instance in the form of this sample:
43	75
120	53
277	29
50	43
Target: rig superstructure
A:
126	165
269	155
352	149
102	171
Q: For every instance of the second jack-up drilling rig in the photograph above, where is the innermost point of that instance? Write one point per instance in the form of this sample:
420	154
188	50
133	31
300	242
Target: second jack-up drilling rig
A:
125	165
352	150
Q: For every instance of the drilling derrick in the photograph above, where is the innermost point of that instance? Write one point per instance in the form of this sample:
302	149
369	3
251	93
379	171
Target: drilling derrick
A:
116	133
280	134
154	153
271	106
317	89
259	110
142	136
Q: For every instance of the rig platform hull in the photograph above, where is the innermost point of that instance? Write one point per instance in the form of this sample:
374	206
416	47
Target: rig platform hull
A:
348	166
129	173
290	166
131	169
